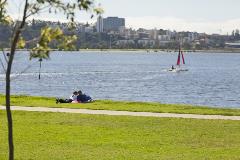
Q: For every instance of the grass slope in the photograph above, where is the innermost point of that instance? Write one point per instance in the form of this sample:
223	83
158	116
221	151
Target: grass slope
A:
60	136
123	106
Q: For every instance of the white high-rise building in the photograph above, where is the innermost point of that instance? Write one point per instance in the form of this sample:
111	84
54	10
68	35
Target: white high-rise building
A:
99	24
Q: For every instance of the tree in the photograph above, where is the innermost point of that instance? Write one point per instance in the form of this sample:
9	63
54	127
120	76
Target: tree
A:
41	49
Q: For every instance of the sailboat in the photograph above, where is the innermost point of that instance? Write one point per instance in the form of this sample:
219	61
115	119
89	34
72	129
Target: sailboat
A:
179	68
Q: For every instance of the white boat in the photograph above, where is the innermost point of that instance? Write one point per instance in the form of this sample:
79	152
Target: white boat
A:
177	70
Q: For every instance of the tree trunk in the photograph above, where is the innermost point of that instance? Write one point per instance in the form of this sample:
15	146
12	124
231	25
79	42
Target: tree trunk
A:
8	82
9	117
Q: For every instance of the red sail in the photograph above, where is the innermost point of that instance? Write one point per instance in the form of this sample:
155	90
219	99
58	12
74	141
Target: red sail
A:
179	57
182	57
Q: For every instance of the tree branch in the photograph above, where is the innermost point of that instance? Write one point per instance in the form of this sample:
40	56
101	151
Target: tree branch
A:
37	11
33	40
5	57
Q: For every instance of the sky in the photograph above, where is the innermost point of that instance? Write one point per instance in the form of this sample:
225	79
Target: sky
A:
209	16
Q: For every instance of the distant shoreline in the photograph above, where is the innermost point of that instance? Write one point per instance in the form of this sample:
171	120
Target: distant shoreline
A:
150	50
162	50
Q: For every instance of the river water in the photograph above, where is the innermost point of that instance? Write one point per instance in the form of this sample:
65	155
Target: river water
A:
213	79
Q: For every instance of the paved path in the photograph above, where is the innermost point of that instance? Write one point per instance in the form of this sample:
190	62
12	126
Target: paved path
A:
122	113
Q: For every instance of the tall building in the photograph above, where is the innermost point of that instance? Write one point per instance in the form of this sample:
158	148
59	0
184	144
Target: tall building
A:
113	23
154	34
99	24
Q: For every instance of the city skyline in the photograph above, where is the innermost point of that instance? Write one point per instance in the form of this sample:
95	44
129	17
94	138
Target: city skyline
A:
215	16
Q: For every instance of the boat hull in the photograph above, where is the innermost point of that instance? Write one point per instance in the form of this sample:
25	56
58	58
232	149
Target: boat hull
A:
178	70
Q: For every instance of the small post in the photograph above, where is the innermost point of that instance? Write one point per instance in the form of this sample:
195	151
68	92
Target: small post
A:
39	75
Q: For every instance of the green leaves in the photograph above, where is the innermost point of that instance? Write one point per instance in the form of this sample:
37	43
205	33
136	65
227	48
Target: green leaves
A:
50	35
2	9
84	4
4	18
67	43
21	43
42	49
98	10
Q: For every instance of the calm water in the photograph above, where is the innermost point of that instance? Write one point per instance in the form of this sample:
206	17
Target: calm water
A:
212	79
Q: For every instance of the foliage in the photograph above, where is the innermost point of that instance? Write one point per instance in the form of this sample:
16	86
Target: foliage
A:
48	35
21	43
4	18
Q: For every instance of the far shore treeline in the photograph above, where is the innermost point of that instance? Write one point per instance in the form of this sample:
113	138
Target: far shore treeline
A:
115	40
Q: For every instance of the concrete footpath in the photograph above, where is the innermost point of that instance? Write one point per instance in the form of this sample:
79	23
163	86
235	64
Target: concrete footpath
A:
122	113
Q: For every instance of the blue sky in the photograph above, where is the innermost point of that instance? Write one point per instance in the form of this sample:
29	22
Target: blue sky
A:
210	16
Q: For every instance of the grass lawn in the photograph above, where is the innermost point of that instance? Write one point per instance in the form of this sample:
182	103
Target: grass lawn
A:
123	106
60	136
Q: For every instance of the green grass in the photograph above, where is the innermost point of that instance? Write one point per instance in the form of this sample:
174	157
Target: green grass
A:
22	100
61	136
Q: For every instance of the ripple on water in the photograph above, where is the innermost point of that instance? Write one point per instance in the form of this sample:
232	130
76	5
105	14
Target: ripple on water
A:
133	77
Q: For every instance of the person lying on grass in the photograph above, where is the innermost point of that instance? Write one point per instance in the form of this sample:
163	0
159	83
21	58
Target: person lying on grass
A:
83	98
76	97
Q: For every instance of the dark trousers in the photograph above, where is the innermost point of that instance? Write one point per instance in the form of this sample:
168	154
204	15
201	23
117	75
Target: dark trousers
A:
64	100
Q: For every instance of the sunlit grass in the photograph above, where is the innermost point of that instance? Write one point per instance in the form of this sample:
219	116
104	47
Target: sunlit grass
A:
60	136
22	100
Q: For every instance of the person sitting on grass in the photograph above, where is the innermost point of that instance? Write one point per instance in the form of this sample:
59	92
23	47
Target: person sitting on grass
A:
83	98
72	99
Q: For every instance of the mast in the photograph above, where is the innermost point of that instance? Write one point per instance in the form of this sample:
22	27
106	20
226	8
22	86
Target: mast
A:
179	56
182	57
